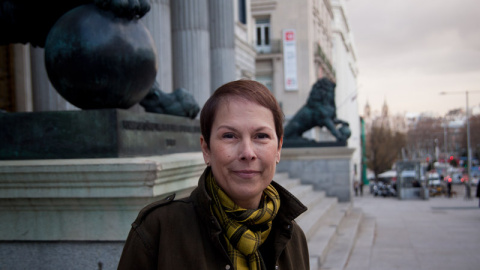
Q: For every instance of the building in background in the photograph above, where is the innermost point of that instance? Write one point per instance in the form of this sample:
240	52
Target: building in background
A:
346	70
429	136
297	43
293	40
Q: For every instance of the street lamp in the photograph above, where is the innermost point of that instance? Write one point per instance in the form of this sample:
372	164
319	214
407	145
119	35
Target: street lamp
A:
469	149
445	142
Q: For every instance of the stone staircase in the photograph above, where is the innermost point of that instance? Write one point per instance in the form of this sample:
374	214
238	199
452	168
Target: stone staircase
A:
331	227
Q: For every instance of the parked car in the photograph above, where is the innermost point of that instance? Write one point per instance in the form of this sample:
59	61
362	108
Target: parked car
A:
382	189
433	179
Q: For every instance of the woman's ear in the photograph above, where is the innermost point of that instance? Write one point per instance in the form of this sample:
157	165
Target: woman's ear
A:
279	151
205	150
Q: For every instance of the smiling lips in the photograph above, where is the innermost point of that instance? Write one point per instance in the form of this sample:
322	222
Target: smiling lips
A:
246	173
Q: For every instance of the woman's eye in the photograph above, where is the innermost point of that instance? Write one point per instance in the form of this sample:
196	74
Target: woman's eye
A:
263	136
228	136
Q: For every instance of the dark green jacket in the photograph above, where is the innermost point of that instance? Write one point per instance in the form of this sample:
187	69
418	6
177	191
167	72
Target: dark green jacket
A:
183	234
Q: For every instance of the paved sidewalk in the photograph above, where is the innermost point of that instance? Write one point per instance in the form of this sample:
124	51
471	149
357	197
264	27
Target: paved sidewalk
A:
440	233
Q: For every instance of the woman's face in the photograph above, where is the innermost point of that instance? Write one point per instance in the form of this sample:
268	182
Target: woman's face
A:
244	150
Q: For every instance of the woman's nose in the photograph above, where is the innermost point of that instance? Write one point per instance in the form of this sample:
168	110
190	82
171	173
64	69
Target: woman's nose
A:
247	151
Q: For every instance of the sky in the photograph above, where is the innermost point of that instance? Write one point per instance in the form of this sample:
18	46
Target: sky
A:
409	51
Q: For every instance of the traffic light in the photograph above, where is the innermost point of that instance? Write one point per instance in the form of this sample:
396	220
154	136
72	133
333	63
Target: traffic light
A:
453	161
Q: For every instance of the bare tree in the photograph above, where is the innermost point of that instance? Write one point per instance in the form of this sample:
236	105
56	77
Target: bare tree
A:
424	136
383	148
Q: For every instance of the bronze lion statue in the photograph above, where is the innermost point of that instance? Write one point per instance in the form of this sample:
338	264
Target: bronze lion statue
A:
320	110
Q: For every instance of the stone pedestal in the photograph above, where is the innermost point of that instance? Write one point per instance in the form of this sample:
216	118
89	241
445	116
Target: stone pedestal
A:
326	168
95	134
76	213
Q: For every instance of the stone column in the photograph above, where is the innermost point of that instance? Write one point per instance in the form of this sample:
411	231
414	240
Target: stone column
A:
158	23
191	48
23	83
45	97
222	42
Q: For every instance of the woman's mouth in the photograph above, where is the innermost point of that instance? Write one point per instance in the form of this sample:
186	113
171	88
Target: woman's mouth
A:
246	173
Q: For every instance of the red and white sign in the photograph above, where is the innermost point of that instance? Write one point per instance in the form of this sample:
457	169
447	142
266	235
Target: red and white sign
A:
290	59
290	35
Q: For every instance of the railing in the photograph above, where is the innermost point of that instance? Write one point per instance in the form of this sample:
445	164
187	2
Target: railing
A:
275	46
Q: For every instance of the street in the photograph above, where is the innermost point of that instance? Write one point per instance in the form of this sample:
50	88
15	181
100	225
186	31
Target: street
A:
440	233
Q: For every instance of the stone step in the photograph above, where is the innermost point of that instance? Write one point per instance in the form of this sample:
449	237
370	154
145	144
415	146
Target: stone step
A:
326	224
290	183
301	191
321	241
362	251
281	176
312	199
342	246
312	220
286	182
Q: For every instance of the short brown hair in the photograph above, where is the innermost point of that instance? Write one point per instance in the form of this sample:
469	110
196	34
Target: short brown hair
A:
247	89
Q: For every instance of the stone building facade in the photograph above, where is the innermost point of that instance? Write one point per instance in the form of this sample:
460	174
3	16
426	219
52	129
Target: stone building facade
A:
324	48
311	22
345	64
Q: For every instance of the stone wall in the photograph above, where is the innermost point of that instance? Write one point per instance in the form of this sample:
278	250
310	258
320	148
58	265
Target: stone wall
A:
326	168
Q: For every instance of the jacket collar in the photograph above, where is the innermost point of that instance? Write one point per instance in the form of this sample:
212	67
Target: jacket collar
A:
290	206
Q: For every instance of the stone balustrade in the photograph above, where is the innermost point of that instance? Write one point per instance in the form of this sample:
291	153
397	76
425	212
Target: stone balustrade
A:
87	199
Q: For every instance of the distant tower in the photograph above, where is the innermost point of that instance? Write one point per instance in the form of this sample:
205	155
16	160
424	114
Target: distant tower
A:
385	109
366	111
385	119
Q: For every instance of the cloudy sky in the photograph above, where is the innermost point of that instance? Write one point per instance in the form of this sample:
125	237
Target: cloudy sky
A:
409	51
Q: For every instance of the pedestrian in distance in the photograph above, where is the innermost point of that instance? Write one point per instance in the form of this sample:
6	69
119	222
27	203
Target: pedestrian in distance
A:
355	187
449	188
467	191
478	193
361	188
237	217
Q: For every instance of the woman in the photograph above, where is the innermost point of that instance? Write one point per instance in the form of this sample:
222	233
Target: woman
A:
236	218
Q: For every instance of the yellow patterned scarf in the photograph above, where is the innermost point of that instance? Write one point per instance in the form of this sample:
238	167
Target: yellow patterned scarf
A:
244	229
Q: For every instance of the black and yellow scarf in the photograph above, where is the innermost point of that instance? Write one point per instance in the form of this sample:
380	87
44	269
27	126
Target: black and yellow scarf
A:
244	229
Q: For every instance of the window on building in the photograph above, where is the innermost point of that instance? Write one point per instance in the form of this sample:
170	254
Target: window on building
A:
266	80
242	11
263	35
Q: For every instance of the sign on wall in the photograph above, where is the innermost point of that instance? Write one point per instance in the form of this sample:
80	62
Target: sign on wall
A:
290	59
